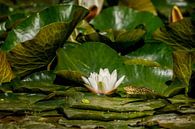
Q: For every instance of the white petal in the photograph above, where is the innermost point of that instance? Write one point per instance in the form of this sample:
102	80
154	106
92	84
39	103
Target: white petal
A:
93	84
100	78
85	80
119	82
106	72
101	71
106	85
113	78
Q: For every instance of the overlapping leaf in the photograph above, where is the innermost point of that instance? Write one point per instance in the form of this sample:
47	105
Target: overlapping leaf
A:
180	35
125	18
123	41
33	43
154	53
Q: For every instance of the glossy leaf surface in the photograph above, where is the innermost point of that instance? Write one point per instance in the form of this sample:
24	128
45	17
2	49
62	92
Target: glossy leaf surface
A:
33	43
125	18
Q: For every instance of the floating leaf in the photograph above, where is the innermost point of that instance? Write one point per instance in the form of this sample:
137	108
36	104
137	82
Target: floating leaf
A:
33	43
125	18
6	73
18	101
152	53
115	104
123	41
86	58
77	114
153	78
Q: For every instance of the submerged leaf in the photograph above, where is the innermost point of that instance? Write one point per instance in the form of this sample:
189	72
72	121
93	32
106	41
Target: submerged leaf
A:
33	43
6	73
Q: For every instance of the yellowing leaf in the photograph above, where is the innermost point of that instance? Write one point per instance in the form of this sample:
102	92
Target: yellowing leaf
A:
6	73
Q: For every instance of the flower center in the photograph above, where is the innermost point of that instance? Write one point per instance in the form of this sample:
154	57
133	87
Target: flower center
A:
101	85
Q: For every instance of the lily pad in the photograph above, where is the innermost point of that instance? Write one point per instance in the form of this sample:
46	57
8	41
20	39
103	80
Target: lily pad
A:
123	41
125	18
86	58
158	53
18	101
77	114
118	104
94	124
33	43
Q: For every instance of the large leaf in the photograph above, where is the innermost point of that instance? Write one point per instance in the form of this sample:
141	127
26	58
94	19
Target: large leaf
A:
153	78
89	57
33	43
125	18
158	57
6	73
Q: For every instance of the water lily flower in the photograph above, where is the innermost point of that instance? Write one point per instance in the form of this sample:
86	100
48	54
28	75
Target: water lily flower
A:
104	82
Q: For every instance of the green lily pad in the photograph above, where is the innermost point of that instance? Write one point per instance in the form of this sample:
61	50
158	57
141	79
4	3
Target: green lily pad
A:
153	78
123	41
94	124
125	18
77	114
86	58
98	55
33	43
118	104
155	53
173	121
18	101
